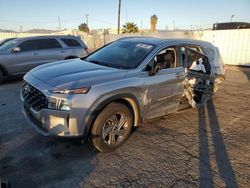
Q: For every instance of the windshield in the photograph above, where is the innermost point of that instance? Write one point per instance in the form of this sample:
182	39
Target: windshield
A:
121	54
7	45
2	42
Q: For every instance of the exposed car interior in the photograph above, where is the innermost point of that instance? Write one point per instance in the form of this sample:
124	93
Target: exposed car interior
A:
199	82
166	58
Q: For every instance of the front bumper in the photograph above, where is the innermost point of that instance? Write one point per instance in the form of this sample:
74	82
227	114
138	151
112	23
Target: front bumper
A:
48	122
53	122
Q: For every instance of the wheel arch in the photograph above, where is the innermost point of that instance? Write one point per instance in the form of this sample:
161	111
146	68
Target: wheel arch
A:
128	99
3	70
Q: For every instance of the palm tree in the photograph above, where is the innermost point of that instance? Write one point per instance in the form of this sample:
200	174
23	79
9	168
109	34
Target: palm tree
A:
130	27
153	21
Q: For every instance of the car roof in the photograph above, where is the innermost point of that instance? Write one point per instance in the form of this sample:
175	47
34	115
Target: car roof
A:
47	37
160	41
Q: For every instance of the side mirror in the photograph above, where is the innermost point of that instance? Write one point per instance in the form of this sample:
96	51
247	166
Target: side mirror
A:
16	50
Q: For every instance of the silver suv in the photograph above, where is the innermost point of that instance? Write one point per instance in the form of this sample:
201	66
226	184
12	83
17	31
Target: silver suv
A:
18	56
126	82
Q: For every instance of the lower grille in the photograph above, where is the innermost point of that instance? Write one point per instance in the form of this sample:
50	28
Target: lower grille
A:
33	97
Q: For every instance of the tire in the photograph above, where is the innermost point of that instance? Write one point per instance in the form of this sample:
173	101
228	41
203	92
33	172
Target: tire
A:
1	77
112	127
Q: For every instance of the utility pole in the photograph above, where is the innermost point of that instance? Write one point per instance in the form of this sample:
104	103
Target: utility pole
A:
141	28
232	17
87	21
119	15
126	15
59	23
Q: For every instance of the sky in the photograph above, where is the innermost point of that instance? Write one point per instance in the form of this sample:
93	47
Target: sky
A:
43	14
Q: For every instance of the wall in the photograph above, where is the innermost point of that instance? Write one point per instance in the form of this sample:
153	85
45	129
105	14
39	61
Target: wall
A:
234	45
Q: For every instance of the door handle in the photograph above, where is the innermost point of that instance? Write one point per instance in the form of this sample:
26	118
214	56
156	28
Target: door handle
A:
62	51
35	54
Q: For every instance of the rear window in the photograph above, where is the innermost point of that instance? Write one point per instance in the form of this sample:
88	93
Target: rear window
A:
210	53
71	42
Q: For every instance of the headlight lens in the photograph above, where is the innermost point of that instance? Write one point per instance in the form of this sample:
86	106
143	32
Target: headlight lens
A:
59	104
82	90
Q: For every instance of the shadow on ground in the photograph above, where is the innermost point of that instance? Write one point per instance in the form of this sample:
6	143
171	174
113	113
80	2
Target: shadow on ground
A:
246	71
48	162
224	166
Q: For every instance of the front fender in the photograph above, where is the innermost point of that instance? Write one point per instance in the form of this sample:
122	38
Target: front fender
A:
104	100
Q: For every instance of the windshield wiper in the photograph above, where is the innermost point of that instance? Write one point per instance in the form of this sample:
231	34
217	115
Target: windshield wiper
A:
106	64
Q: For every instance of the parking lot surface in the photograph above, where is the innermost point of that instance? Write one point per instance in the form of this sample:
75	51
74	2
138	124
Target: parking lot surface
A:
209	147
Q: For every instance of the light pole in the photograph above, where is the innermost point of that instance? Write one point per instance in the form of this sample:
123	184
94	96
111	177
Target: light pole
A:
119	15
141	28
59	23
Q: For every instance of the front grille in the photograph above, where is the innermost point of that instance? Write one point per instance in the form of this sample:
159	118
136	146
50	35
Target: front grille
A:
33	97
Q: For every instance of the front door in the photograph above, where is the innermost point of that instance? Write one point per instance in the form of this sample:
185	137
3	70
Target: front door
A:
163	90
22	61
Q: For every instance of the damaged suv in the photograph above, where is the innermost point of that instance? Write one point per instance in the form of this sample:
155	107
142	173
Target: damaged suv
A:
124	83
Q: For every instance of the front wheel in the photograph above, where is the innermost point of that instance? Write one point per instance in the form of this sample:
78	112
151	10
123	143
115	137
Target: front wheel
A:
112	127
1	76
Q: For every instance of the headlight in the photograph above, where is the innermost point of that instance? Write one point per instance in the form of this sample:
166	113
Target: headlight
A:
82	90
59	104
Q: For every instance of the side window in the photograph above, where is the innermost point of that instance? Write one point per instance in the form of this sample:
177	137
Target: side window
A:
71	42
48	44
209	53
28	45
167	58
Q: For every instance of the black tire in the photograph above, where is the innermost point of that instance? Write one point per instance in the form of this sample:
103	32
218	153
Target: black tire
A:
1	76
112	127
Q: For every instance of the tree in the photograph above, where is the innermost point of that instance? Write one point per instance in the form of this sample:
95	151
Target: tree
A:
153	22
130	27
83	27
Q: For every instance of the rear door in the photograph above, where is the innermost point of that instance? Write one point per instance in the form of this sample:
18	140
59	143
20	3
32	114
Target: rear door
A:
50	50
164	90
199	82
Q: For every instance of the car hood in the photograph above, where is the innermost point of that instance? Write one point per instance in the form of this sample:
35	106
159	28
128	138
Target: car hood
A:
75	73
